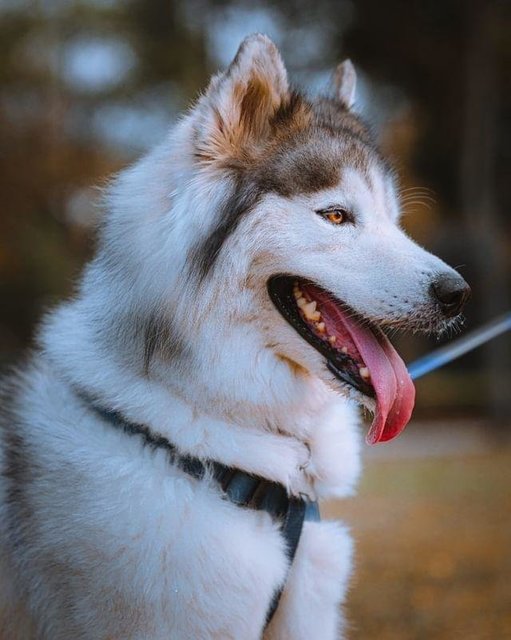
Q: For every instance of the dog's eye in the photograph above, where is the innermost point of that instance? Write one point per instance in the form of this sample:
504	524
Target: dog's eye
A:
336	215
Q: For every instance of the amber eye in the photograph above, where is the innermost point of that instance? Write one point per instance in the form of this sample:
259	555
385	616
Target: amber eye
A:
335	216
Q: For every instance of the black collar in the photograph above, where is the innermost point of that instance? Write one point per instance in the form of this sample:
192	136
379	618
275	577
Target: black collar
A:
241	488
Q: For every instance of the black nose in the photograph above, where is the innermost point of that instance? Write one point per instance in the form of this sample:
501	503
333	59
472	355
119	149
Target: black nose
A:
451	292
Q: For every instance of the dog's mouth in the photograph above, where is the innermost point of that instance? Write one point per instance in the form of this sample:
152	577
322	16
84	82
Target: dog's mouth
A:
356	351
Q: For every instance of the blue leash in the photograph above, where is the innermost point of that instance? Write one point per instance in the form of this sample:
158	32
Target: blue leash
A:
453	350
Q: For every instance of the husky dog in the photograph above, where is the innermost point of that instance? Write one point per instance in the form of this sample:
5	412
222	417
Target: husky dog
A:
234	312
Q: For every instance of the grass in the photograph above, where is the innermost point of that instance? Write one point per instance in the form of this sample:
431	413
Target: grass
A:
434	549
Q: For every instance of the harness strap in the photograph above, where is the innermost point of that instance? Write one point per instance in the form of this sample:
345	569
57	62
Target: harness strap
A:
241	488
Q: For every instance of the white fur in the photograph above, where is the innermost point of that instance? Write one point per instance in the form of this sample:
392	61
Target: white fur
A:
119	543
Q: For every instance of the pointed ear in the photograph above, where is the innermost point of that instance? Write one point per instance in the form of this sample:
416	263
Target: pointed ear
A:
233	116
346	83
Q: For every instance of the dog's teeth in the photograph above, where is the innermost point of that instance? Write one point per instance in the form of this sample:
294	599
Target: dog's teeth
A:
332	339
364	373
301	302
297	293
344	349
309	311
321	327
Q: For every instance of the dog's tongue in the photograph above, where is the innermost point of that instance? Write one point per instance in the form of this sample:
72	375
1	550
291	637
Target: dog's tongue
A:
394	389
395	392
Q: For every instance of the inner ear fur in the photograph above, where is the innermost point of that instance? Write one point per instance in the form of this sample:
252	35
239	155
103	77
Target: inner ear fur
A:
234	115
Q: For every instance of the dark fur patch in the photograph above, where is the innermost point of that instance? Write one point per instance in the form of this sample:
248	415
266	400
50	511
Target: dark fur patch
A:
332	115
301	166
160	336
152	340
294	114
244	197
18	473
141	333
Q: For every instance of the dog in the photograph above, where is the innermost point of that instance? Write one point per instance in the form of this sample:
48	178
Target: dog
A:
232	319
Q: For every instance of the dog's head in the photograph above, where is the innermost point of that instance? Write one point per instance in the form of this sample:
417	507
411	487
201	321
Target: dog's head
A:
287	218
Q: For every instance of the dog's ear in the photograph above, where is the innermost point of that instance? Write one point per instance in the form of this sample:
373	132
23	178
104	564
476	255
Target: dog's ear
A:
345	80
233	116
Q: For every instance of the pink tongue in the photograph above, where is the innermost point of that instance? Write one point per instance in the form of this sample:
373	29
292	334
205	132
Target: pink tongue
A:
395	393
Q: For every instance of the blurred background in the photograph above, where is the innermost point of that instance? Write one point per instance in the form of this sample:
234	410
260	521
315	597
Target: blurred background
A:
89	85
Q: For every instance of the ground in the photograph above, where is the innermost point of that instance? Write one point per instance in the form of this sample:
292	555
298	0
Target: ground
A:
433	534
